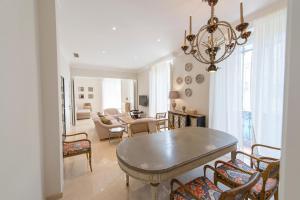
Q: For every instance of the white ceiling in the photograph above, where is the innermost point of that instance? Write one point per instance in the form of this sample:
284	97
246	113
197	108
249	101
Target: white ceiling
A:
85	26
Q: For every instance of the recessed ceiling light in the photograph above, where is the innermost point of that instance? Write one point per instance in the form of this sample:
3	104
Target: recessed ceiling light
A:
158	40
114	28
103	52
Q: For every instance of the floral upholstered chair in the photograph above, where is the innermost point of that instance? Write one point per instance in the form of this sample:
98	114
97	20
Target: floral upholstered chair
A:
78	147
265	189
203	189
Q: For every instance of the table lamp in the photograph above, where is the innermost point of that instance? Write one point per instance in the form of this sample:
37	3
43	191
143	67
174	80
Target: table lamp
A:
173	95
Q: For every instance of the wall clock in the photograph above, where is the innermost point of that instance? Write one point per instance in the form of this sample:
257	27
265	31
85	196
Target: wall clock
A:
188	92
188	80
200	78
188	67
179	80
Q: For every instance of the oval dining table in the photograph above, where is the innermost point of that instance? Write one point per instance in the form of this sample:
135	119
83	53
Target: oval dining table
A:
158	157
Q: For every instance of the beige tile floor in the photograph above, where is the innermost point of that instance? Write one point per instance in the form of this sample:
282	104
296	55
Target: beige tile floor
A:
107	181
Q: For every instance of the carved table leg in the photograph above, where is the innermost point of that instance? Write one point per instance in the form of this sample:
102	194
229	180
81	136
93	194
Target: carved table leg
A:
127	180
154	191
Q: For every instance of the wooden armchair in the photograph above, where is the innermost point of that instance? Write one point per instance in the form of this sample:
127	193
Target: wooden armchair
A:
261	166
202	188
161	121
78	147
267	186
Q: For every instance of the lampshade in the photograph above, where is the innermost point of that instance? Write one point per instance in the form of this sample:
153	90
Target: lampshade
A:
174	95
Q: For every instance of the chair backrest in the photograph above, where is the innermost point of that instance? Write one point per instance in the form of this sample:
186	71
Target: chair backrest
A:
161	115
140	127
111	111
242	192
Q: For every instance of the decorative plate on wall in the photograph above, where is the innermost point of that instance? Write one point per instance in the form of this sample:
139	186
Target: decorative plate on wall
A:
188	80
179	80
188	67
200	78
188	92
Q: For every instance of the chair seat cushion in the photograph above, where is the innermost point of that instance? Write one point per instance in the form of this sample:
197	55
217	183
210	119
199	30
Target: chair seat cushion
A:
201	187
75	148
261	165
241	178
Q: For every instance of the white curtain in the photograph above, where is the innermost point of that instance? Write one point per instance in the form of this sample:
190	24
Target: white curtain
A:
159	82
267	78
226	89
127	93
111	93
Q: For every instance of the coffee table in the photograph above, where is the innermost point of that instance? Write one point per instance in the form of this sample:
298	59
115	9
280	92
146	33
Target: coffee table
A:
158	157
118	131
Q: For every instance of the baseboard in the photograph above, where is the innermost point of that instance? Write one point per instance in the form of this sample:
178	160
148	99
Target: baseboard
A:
55	196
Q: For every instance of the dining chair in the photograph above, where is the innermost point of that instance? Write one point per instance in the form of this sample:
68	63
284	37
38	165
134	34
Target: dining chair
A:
265	189
78	147
161	121
203	189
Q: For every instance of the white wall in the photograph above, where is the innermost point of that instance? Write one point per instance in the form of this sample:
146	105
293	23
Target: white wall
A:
51	105
200	99
289	177
20	119
143	88
86	71
85	82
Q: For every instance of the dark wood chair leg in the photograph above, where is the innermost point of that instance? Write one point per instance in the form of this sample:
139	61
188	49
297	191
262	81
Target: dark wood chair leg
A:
90	160
276	195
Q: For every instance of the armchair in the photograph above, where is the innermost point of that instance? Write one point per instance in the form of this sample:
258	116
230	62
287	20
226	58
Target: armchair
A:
78	147
202	188
267	185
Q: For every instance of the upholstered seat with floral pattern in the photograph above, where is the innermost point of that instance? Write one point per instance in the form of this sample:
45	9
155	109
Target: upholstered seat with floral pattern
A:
240	178
75	148
201	187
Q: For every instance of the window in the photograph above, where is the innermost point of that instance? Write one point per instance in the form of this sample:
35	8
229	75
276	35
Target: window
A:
111	93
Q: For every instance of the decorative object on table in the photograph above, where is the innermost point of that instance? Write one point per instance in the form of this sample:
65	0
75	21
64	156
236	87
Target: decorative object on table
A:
188	80
81	96
174	95
188	92
90	89
188	67
200	78
183	109
215	41
81	89
179	80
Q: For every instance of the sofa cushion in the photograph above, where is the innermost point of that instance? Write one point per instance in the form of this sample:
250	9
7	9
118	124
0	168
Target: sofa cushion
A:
106	121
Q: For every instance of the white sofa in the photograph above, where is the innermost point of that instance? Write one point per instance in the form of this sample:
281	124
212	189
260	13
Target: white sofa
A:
103	129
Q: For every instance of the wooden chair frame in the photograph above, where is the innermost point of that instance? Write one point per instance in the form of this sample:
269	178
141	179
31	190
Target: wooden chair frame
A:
243	190
88	152
161	115
272	171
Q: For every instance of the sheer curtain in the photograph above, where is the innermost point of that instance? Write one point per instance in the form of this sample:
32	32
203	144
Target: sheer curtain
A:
159	81
226	89
111	93
268	78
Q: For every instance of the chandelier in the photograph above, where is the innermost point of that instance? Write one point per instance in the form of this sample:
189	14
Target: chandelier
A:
216	40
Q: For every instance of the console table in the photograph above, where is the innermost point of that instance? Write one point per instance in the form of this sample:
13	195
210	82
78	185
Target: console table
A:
177	119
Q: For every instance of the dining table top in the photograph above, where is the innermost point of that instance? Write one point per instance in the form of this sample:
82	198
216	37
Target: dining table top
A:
164	151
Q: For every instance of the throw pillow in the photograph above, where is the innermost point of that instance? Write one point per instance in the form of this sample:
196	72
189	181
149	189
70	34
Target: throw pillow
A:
105	121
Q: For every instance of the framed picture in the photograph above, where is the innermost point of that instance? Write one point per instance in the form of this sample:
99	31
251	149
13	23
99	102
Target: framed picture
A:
81	96
90	89
81	89
91	96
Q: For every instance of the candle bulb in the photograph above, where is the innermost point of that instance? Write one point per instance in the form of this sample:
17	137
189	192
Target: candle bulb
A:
185	38
190	25
242	12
